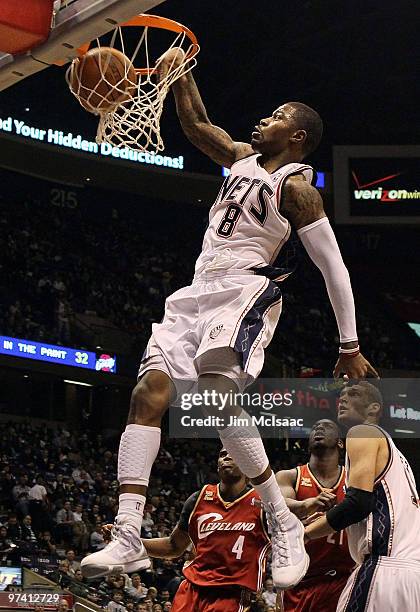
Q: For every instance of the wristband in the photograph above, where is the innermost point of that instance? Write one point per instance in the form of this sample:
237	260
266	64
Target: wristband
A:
350	352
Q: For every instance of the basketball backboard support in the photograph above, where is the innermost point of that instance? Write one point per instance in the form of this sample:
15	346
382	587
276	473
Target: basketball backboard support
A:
75	24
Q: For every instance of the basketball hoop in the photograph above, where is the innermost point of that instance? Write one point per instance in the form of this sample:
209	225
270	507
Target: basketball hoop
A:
135	122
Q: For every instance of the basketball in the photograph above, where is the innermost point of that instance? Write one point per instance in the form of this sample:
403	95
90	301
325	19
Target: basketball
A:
102	78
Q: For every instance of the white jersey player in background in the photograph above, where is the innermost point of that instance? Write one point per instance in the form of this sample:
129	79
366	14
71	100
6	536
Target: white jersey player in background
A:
216	330
381	512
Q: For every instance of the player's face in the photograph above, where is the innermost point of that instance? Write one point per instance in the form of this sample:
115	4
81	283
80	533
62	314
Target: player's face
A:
324	434
272	135
352	406
228	470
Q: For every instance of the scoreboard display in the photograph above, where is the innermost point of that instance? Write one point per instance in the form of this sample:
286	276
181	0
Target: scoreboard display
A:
77	358
377	185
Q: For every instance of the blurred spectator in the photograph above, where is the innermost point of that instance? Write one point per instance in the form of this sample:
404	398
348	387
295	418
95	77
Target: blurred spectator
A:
71	558
46	544
38	505
269	595
137	590
65	521
78	585
97	541
28	534
6	544
117	602
21	487
80	531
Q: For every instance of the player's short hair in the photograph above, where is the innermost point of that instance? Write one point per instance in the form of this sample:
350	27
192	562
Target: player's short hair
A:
309	120
372	393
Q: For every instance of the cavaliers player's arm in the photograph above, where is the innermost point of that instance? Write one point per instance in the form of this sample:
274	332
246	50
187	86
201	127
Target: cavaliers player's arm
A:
302	205
286	479
177	543
210	139
362	446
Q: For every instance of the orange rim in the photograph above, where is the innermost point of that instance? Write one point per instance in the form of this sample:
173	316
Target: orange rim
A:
154	21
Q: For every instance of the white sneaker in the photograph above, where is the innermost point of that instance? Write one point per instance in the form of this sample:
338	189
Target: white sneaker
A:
124	554
289	558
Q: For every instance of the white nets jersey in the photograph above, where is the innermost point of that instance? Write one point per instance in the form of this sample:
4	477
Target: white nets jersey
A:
393	528
246	229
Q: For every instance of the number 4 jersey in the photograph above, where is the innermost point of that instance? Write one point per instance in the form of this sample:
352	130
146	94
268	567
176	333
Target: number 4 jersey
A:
246	229
229	538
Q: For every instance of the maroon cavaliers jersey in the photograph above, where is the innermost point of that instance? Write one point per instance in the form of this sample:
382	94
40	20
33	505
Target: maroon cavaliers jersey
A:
330	555
230	540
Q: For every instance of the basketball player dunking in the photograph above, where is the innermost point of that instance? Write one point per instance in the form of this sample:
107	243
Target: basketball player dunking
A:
225	524
216	330
310	489
381	511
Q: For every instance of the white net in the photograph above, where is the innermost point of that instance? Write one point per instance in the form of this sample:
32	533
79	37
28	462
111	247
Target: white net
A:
130	106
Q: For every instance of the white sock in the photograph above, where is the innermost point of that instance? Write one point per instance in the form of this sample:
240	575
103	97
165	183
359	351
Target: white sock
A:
139	447
245	446
270	493
131	505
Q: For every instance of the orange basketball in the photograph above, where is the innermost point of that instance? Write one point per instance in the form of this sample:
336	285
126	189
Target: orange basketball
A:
102	78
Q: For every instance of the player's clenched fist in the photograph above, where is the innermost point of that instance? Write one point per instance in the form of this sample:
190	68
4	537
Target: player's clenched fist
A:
322	502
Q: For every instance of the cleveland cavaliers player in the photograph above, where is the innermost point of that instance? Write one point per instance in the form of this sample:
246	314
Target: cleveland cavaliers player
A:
216	330
381	511
225	525
310	489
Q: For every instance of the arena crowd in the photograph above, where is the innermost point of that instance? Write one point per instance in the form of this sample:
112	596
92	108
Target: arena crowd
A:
58	488
59	264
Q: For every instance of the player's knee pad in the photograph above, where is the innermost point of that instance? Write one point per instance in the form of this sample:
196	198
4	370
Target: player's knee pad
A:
139	447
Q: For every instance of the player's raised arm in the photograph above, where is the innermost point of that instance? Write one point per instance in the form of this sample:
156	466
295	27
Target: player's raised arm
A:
210	139
302	205
302	509
362	448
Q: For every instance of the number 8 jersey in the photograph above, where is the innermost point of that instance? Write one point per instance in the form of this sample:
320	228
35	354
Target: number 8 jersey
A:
246	229
230	540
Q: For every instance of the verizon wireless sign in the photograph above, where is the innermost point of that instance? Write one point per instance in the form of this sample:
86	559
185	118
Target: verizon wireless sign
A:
377	184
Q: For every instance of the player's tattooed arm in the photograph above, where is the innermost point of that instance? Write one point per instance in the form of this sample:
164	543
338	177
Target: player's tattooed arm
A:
171	547
286	480
210	139
301	202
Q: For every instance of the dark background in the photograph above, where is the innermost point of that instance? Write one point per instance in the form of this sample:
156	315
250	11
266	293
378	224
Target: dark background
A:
354	62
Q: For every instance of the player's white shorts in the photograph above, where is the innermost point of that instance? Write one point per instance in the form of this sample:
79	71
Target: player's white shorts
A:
236	311
382	584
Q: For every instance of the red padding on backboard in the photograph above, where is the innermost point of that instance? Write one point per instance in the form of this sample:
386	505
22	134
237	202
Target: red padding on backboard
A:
24	24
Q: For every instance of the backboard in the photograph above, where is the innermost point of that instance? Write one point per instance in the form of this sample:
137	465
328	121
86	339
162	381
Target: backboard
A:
75	23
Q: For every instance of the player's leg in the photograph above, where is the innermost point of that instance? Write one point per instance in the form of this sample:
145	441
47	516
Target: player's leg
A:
220	371
382	583
241	314
191	598
322	595
186	598
165	361
139	447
